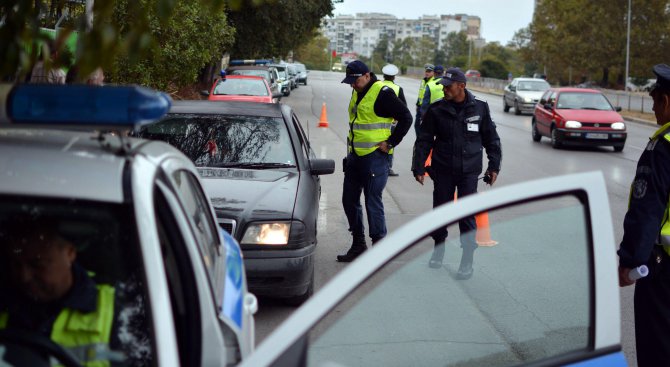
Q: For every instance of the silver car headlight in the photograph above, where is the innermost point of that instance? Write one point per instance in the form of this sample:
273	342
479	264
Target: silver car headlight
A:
573	124
528	100
618	126
272	234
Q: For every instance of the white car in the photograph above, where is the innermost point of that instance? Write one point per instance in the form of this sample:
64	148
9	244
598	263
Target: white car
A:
544	291
140	222
522	94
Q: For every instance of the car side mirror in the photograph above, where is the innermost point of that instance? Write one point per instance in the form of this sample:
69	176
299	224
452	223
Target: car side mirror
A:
204	93
277	95
548	106
512	88
321	166
617	108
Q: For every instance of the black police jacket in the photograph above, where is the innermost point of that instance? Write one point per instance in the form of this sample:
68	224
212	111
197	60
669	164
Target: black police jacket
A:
457	138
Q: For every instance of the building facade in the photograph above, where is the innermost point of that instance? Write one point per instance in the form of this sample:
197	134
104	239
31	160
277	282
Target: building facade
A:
360	33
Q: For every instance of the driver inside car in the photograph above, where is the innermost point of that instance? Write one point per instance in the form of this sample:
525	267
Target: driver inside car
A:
49	294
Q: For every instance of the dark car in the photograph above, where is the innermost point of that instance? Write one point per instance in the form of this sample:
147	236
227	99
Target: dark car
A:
262	176
576	116
302	73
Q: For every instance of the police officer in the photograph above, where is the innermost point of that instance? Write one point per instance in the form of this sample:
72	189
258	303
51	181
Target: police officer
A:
433	92
372	109
429	73
456	128
390	71
646	238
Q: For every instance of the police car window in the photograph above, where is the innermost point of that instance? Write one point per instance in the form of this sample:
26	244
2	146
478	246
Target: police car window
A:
37	237
224	141
197	208
528	300
304	143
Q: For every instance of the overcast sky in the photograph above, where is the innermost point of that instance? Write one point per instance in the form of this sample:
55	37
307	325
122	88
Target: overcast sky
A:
500	18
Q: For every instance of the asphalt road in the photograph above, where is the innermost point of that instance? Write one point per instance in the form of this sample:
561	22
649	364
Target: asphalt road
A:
404	198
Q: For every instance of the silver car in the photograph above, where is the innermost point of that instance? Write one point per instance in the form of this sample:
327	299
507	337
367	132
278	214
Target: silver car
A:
522	94
139	222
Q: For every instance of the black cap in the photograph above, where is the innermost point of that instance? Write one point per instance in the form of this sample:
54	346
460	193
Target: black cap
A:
662	72
453	75
355	69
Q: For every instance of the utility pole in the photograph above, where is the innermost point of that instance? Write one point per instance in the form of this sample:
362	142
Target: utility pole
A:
625	82
469	54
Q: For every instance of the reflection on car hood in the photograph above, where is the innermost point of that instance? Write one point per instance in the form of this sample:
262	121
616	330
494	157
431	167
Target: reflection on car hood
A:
251	194
591	115
530	94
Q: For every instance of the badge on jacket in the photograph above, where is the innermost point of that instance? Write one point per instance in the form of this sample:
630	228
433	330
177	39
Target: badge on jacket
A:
473	127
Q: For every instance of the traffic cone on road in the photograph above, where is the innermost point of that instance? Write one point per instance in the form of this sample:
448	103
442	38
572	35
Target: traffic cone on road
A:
323	120
483	236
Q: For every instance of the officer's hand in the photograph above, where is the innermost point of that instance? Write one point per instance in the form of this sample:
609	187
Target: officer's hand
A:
624	280
384	146
494	176
419	178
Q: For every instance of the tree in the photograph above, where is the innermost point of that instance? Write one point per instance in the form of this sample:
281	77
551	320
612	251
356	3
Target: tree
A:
456	47
277	27
314	54
402	52
179	56
425	50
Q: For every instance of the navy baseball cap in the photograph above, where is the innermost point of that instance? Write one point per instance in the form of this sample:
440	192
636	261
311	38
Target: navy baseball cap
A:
355	69
439	68
662	72
453	75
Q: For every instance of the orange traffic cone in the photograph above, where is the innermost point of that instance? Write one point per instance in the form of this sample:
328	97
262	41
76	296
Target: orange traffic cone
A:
323	120
429	160
483	236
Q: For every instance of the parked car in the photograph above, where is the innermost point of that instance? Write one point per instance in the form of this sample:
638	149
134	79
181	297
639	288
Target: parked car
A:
523	94
256	68
576	116
141	229
546	295
473	74
262	174
241	88
284	80
338	66
302	73
293	74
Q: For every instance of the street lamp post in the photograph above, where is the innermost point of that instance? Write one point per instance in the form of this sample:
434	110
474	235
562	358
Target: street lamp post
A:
625	82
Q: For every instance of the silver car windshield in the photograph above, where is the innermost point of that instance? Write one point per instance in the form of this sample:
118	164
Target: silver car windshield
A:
533	86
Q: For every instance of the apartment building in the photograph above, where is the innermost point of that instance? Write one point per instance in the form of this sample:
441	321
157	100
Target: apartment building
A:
360	33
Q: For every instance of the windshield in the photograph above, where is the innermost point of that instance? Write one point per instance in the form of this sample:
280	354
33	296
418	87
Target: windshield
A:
300	68
62	255
243	87
254	72
583	101
539	86
226	141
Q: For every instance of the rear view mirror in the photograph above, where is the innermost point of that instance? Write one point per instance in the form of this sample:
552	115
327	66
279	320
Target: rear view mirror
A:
617	108
322	166
512	88
548	106
204	93
277	95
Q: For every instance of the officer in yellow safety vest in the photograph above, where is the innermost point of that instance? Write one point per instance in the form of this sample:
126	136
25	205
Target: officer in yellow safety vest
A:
372	109
428	75
433	92
646	238
50	295
389	71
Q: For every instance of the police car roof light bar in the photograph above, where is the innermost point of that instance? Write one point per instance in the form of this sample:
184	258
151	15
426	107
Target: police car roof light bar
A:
81	105
249	62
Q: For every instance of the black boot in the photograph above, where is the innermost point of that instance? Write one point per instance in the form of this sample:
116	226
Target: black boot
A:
437	256
465	268
358	246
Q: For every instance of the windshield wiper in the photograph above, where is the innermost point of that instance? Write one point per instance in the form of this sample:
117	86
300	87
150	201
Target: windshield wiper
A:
256	165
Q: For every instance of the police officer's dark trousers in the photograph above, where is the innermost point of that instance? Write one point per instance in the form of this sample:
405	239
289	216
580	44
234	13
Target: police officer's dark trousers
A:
417	120
652	313
367	174
445	185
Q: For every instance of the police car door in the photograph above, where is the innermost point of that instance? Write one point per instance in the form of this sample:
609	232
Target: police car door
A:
544	289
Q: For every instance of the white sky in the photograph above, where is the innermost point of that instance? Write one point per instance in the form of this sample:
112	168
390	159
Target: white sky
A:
500	18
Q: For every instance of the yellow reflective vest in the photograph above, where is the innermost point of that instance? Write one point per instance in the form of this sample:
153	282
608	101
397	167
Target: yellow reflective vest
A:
85	335
664	236
422	91
366	128
392	85
436	91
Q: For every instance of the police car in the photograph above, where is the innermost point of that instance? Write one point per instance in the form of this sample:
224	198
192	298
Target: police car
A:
544	291
141	225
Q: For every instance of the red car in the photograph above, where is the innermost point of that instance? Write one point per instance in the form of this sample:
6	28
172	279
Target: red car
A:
576	116
241	88
473	74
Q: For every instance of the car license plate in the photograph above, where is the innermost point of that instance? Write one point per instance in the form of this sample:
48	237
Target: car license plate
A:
596	136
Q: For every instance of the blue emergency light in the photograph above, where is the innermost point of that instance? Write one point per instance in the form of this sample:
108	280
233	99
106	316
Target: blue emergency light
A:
81	105
249	62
